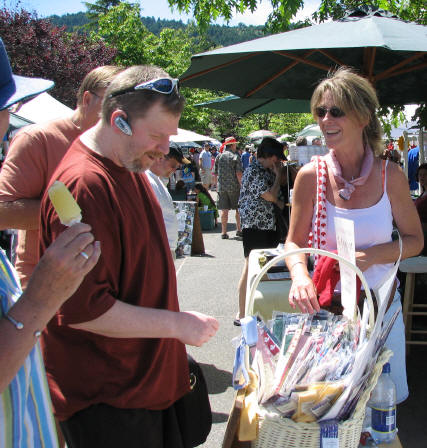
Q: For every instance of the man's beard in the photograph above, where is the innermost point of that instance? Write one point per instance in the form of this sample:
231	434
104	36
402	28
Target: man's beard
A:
138	165
135	167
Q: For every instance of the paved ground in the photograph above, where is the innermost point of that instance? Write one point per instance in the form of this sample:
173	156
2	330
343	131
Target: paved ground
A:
209	284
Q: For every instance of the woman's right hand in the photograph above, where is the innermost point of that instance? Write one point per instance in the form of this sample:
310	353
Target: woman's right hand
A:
277	168
64	265
303	294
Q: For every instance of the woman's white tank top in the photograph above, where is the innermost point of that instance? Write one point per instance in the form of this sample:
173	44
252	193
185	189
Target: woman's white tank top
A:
372	226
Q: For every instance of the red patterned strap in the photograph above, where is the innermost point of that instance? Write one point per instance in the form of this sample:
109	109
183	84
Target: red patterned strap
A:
317	237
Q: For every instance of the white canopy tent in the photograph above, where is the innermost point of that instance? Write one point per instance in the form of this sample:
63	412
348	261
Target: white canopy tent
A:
43	108
190	136
411	128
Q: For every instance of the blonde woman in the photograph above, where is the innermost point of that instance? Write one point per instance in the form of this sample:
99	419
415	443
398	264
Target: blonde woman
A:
357	186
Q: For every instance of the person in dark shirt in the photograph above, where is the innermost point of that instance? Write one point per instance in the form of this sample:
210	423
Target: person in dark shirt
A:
413	161
245	157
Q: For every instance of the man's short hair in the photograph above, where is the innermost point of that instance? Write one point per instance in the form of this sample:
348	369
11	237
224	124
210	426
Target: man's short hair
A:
97	79
175	152
301	141
136	103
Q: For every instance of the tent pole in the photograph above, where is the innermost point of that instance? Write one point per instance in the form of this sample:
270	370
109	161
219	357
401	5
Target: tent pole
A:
405	152
421	145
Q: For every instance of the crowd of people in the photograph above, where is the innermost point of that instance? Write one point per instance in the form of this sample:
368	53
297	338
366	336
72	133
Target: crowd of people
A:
102	294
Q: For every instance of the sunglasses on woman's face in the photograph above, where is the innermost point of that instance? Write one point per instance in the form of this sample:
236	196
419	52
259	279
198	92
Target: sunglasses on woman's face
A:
334	111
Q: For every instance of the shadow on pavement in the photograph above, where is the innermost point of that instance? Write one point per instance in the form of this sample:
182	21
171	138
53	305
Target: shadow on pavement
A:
205	255
219	417
218	380
216	229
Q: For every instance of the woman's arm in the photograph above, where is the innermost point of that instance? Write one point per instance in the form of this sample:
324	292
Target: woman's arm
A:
55	278
303	292
406	220
273	193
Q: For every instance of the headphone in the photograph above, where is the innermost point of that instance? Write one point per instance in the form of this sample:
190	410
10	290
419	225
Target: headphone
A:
123	125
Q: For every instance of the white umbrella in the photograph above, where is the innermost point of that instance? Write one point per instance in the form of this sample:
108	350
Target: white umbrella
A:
283	137
189	144
312	130
260	134
190	136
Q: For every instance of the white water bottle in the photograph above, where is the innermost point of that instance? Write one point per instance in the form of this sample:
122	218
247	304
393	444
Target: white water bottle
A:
383	406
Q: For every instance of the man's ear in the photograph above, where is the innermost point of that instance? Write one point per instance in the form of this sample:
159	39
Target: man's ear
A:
86	98
119	123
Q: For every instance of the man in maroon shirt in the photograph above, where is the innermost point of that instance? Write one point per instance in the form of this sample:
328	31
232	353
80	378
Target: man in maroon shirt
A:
115	352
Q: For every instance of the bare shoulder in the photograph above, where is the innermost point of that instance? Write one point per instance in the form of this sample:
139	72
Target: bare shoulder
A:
396	178
307	171
307	174
306	180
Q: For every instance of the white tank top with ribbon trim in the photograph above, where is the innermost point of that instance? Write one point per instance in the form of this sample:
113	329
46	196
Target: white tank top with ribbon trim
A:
372	225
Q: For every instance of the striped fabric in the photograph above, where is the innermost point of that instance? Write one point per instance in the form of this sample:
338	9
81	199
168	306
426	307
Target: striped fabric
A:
26	419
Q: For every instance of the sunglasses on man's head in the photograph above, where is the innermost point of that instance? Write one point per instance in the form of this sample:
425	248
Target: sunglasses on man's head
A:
336	112
160	85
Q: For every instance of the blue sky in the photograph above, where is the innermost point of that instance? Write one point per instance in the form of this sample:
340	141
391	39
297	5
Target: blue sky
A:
155	8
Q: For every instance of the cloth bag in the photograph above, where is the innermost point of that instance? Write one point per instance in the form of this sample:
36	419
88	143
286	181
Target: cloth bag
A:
193	410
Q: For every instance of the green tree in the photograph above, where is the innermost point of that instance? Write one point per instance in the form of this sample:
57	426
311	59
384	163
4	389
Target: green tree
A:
121	27
205	12
38	48
414	10
98	9
280	123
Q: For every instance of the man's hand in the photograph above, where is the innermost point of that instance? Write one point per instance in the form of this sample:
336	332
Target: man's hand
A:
63	266
196	328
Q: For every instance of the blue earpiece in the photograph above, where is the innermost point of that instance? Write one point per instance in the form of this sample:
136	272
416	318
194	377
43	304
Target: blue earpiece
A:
123	125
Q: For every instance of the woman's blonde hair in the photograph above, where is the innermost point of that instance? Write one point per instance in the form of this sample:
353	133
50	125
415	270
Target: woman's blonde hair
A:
353	94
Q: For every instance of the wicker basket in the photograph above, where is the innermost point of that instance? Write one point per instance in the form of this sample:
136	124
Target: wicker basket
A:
276	431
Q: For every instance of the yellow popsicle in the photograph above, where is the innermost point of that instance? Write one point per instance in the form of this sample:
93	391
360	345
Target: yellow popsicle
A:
65	205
